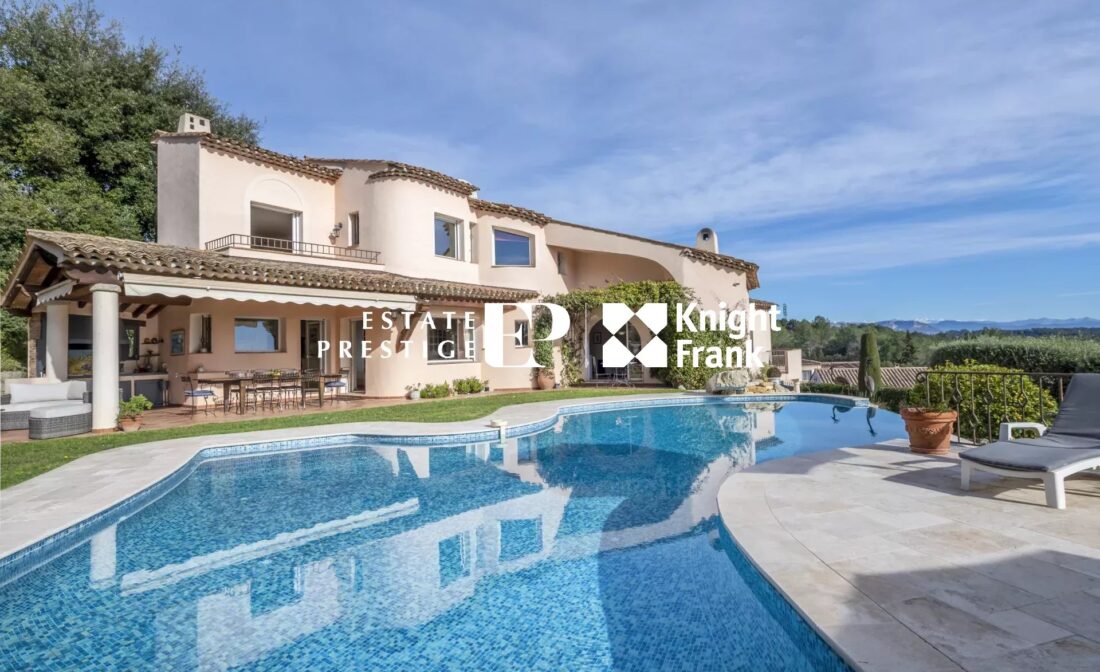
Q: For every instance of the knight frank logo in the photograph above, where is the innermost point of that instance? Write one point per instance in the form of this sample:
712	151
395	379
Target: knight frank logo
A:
654	316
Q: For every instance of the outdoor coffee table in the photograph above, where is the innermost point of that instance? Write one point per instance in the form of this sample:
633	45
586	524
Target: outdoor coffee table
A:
228	382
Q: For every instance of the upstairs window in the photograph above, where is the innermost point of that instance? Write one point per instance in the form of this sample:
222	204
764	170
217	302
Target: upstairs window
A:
353	228
275	228
448	237
512	249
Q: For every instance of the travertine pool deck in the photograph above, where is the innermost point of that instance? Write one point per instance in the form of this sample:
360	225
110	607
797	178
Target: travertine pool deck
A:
899	569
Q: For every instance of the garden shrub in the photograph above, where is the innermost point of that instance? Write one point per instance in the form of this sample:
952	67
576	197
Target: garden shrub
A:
435	391
892	398
984	402
469	385
1047	355
826	388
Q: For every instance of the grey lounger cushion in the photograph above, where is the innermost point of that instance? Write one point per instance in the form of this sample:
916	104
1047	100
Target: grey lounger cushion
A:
1027	456
1079	414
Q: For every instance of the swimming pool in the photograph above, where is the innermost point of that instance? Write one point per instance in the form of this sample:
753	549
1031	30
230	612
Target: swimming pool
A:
592	544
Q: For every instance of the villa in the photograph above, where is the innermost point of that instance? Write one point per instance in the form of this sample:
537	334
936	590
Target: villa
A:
260	256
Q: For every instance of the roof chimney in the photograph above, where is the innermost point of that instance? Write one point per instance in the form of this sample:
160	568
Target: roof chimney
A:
707	240
192	123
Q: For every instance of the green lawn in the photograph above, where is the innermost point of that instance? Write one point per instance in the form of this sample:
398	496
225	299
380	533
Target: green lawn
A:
23	460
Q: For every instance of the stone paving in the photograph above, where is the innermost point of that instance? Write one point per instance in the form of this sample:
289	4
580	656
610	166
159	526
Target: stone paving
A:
900	569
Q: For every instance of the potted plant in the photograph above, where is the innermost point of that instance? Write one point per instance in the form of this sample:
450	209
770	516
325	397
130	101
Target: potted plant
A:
130	412
485	386
928	424
773	374
412	391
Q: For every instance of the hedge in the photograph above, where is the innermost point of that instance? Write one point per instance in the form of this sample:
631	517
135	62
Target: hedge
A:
1048	355
827	388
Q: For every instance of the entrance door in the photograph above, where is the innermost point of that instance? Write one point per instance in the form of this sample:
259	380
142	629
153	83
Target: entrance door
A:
313	332
359	364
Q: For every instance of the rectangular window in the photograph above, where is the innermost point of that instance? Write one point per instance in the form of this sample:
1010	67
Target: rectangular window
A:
200	333
469	341
443	342
448	238
523	334
353	228
511	249
275	228
448	342
256	334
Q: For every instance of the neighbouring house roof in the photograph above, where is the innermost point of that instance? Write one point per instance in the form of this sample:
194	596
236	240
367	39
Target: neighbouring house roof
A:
87	252
900	377
762	303
245	150
747	267
509	211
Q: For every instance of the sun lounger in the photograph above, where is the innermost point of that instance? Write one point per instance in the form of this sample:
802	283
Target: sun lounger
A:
1071	445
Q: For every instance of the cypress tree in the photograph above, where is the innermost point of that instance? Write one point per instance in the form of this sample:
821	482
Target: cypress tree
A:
869	366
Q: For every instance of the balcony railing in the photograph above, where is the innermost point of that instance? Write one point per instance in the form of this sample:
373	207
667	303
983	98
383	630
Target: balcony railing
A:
985	399
293	247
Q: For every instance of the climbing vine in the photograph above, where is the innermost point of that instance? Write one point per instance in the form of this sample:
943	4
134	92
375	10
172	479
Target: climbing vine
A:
635	295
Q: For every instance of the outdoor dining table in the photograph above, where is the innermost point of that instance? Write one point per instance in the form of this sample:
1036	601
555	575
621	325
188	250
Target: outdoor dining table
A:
227	383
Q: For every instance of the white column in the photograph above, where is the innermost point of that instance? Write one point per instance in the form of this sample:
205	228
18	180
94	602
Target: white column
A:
104	357
57	341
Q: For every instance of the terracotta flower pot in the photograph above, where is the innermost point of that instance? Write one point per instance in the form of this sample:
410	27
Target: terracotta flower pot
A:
545	381
130	424
929	431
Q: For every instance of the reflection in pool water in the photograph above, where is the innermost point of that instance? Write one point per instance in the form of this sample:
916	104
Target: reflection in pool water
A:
592	545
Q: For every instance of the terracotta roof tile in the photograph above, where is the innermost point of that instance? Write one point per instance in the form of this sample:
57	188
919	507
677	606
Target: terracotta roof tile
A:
897	377
747	267
403	171
83	250
244	150
509	211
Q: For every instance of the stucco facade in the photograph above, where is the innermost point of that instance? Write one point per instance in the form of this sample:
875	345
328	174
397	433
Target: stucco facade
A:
385	222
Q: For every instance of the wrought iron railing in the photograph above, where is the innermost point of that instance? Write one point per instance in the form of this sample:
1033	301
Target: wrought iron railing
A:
293	247
985	399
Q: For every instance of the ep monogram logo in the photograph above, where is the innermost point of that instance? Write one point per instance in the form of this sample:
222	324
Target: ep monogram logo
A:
494	331
654	316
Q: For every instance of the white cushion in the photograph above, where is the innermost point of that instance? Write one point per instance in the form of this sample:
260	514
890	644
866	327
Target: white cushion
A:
31	392
41	413
23	392
76	389
31	405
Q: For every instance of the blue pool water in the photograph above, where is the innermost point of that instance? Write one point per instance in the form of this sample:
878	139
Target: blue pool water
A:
592	545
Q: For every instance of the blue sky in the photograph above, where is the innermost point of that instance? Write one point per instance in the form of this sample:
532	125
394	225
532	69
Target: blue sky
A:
935	160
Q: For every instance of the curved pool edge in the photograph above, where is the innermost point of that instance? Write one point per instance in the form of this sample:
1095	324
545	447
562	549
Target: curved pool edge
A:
868	638
50	513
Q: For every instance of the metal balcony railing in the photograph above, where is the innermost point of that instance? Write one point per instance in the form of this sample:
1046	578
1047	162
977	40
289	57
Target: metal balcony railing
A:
239	240
985	399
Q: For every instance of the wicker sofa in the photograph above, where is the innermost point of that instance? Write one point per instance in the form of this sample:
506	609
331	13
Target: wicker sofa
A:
22	398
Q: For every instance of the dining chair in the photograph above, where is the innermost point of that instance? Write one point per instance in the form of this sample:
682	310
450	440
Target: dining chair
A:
195	391
310	384
265	388
337	387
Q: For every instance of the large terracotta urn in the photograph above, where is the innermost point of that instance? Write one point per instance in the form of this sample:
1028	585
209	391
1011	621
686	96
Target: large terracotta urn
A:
929	430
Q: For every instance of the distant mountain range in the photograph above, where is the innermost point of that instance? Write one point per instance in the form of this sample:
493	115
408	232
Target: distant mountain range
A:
940	326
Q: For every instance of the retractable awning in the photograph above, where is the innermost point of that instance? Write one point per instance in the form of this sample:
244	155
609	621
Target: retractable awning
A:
138	285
